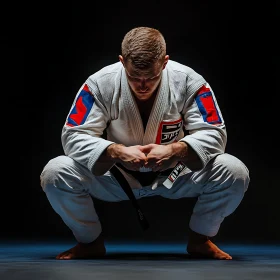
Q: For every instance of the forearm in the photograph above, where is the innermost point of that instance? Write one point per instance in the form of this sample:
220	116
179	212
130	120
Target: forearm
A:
106	160
184	152
111	154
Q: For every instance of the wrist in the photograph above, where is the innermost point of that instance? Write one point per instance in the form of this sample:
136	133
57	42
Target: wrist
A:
180	150
114	150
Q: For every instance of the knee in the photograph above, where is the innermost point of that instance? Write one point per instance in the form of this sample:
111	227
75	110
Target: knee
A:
53	171
235	171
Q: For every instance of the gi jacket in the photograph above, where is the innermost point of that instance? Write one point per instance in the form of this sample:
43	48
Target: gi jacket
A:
104	112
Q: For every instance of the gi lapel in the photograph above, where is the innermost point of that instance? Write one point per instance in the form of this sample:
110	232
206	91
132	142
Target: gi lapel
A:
132	112
158	110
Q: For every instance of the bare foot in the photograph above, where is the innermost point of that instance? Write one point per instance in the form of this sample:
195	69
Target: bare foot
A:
95	249
208	250
201	246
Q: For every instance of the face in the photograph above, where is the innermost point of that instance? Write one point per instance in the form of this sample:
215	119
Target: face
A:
144	83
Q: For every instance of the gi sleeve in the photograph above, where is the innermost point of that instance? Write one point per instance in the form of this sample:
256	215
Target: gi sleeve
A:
84	126
205	124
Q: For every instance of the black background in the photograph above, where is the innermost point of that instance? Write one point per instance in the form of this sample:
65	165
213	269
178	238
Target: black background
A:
54	49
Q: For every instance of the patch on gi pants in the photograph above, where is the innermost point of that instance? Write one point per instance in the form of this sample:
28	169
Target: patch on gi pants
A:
168	131
207	106
82	108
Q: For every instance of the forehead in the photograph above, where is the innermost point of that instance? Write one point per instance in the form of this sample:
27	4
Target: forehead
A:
152	71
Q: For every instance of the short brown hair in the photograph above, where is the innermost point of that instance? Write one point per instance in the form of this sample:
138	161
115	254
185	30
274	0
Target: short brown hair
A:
143	46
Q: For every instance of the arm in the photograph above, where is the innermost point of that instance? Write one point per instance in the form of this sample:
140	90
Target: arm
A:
161	157
131	157
204	121
206	138
82	132
183	152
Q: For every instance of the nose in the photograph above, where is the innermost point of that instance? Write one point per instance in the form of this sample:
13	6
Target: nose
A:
143	84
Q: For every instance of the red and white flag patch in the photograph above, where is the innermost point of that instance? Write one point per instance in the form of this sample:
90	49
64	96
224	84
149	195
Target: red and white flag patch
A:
83	105
207	106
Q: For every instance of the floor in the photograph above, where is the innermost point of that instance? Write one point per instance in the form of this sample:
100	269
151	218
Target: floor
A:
25	260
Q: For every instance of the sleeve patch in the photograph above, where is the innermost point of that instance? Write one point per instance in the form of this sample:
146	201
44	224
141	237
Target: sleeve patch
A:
82	108
207	106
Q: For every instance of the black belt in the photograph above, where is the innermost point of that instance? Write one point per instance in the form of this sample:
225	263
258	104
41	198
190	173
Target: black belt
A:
126	187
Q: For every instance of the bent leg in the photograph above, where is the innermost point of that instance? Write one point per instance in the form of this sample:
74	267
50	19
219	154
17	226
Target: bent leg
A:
222	185
68	187
220	188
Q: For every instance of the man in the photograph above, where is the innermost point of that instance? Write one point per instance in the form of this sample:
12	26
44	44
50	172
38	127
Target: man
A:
158	122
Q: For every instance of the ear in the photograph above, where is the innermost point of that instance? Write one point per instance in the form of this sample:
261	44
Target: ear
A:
166	58
121	59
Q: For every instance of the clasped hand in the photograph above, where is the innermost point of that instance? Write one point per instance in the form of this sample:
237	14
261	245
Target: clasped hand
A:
154	156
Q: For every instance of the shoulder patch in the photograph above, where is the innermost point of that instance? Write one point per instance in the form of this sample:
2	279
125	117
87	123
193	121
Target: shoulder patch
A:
82	107
207	106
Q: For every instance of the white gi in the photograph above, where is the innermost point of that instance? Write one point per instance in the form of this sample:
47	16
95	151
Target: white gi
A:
104	103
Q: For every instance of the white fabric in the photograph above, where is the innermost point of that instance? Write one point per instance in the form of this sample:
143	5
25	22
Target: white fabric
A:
115	110
220	187
68	180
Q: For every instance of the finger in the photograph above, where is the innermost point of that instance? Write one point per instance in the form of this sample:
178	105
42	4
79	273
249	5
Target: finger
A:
143	157
147	148
140	161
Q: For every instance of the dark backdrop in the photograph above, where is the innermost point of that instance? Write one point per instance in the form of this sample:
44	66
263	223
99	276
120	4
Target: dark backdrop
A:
55	49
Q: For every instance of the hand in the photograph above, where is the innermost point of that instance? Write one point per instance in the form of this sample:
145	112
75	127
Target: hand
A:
159	157
131	157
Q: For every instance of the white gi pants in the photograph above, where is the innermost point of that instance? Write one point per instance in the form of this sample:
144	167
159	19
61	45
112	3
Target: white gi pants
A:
220	187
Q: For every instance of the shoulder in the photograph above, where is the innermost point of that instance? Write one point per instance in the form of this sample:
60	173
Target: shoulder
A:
106	73
177	68
104	82
184	77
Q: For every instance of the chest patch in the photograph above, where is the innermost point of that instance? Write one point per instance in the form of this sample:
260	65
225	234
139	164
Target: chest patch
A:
168	131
